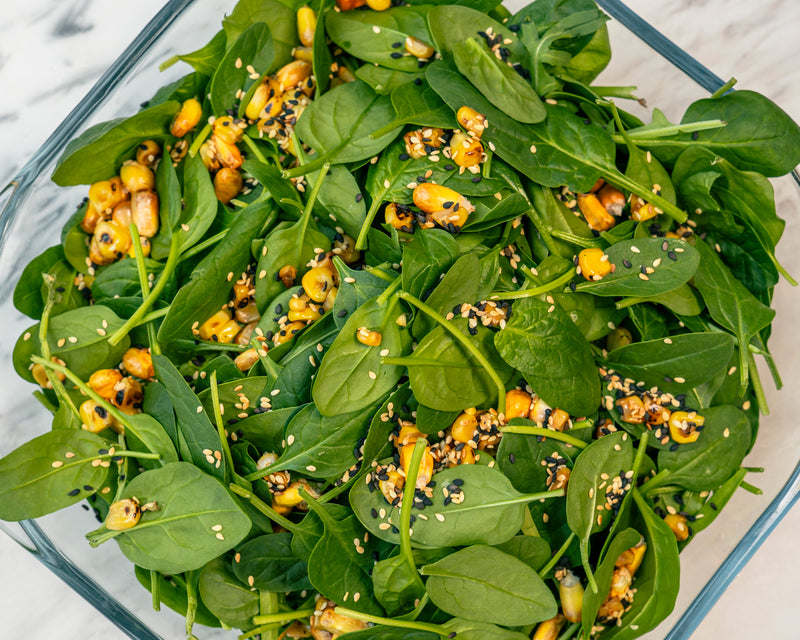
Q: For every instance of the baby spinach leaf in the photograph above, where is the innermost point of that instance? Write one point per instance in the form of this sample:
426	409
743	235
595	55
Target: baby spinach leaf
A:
417	103
383	81
522	458
121	280
281	20
487	585
396	586
355	288
206	58
265	430
426	256
50	472
649	322
268	563
645	169
225	596
543	343
284	194
340	197
533	551
668	263
196	521
452	24
30	292
237	396
715	456
498	82
716	502
692	357
321	53
473	630
146	433
172	592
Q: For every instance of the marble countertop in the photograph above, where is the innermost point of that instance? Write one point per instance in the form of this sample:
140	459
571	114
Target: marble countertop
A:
52	52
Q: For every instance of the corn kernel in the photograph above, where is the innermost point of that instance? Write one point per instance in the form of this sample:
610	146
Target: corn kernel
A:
227	129
471	121
123	514
593	263
392	487
446	207
107	194
187	118
418	48
619	337
139	363
465	151
518	404
128	396
148	153
677	523
287	275
227	184
399	216
683	426
136	177
612	199
464	427
549	629
287	333
228	154
94	418
103	382
144	212
570	592
292	74
368	337
306	25
425	468
316	283
631	409
113	241
595	213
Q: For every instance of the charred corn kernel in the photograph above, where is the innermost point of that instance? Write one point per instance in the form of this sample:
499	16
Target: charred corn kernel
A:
672	234
656	414
570	592
549	629
113	240
611	609
107	194
677	523
241	294
287	333
466	456
94	417
465	151
187	118
379	5
228	154
518	404
303	53
144	212
594	263
683	426
148	153
447	207
327	305
122	214
209	156
306	25
211	326
425	467
144	243
287	275
540	411
316	283
620	582
347	5
123	514
414	149
136	177
559	420
595	213
399	216
464	427
243	337
298	303
345	75
227	184
408	434
346	249
369	337
619	337
292	74
248	313
560	480
612	199
139	363
418	48
631	409
227	332
103	382
267	459
641	210
246	359
632	558
327	620
291	497
471	121
227	129
128	395
597	185
39	373
309	312
420	142
604	427
392	487
91	217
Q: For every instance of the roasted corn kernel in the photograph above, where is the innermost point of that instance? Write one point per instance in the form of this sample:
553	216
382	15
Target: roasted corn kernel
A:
620	582
632	558
445	206
611	609
113	241
325	618
595	213
248	313
227	129
612	199
287	274
408	434
291	497
392	487
570	592
683	426
677	523
549	629
287	332
144	243
39	373
316	283
122	214
246	359
187	118
464	427
559	420
136	177
208	156
594	264
471	121
418	48
345	248
94	417
292	74
144	212
399	216
227	184
631	409
518	404
656	414
368	337
91	217
128	395
148	153
560	480
465	151
123	514
103	382
619	337
301	309
138	362
228	154
420	142
348	5
107	194
641	210
306	25
327	305
214	324
425	468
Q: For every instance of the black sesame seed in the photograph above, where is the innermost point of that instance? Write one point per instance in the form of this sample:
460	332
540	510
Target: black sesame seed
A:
397	45
396	55
359	197
626	263
512	458
74	492
88	487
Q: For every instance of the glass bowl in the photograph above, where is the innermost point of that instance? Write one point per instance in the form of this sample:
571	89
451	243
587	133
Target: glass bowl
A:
33	210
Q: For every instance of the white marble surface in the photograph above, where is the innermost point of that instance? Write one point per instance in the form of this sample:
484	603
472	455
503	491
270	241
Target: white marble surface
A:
52	51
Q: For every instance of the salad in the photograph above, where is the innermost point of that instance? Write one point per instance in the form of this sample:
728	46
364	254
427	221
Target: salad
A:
386	321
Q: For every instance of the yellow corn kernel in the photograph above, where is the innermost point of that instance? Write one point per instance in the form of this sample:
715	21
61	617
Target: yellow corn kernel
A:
136	177
471	121
228	154
209	156
287	274
211	326
399	216
518	404
227	184
292	74
331	624
103	382
148	153
422	141
327	305
144	212
347	5
264	93
123	514
316	283
632	558
560	480
306	25
287	333
267	459
466	456
122	214
248	313
447	207
425	467
559	420
611	609
641	210
620	582
656	414
549	629
107	194
139	363
464	427
39	373
227	129
594	263
418	48
392	487
673	235
345	248
290	497
540	411
227	332
595	213
144	243
465	151
303	53
94	417
619	337
369	337
683	426
612	199
570	592
241	293
246	359
309	312
113	240
244	336
187	118
91	217
677	523
631	409
408	434
128	395
379	5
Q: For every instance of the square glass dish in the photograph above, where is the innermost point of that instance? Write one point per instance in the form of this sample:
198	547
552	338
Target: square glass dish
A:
33	210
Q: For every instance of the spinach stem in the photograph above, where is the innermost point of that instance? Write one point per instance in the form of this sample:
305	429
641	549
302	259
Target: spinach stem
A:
616	92
312	198
315	165
198	140
421	362
202	246
393	622
264	508
653	135
409	492
379	273
191	602
361	241
656	481
554	560
259	631
787	276
758	388
267	605
751	488
394	124
586	243
487	165
545	230
152	296
724	88
536	291
283	616
544	432
382	298
141	269
155	590
154	315
465	342
523	499
254	148
571	631
223	438
619	179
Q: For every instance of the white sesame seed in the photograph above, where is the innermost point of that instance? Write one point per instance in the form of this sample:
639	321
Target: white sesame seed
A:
56	464
290	440
679	380
667	341
373	375
439	517
635	249
726	433
200	410
217	527
311	468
